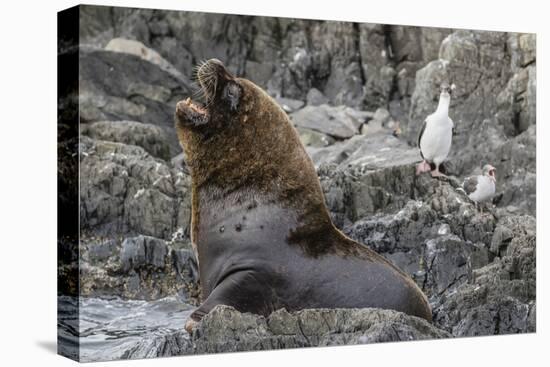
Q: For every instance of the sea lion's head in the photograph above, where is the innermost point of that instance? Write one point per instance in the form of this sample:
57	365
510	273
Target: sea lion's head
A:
221	94
211	74
235	129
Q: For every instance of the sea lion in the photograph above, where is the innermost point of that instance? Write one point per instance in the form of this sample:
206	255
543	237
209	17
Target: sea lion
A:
264	237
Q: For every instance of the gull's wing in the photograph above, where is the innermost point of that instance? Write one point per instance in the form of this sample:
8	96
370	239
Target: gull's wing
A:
453	125
470	184
420	137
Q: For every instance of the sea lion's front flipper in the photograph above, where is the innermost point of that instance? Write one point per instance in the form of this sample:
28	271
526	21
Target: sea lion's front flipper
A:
242	290
217	297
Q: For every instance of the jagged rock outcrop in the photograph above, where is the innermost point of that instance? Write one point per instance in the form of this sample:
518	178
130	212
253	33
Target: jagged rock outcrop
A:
139	267
226	330
125	190
119	86
150	137
362	65
499	298
339	122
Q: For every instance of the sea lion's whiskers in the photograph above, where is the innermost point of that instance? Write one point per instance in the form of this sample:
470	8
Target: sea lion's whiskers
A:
198	92
209	85
198	67
210	90
206	79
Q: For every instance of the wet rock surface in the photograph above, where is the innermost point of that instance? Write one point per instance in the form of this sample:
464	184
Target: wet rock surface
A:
139	267
357	105
226	330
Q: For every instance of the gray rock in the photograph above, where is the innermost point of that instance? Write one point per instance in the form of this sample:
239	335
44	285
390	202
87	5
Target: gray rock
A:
261	73
314	97
226	330
363	68
289	105
516	161
345	85
517	102
312	138
340	122
478	274
375	59
500	240
413	48
125	190
141	267
143	251
391	56
151	138
185	263
380	120
282	55
165	345
139	49
382	115
416	221
372	127
111	90
99	252
368	153
500	297
446	261
523	49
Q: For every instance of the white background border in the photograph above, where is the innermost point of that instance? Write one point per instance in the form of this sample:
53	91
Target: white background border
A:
28	181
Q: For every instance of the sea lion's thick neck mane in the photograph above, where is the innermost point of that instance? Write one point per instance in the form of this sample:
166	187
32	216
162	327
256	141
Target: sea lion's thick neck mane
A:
254	147
253	154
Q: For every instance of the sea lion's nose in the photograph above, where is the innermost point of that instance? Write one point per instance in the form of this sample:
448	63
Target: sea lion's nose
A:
216	64
215	61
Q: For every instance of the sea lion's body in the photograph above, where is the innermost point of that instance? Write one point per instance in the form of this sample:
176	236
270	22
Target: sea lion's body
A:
263	234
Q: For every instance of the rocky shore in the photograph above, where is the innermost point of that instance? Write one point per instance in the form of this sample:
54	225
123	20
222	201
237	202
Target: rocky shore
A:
357	99
226	330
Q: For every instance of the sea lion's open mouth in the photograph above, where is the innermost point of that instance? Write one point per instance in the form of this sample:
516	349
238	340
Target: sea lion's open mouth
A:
191	113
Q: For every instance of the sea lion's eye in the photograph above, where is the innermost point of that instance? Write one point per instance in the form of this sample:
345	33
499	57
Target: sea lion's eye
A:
231	94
